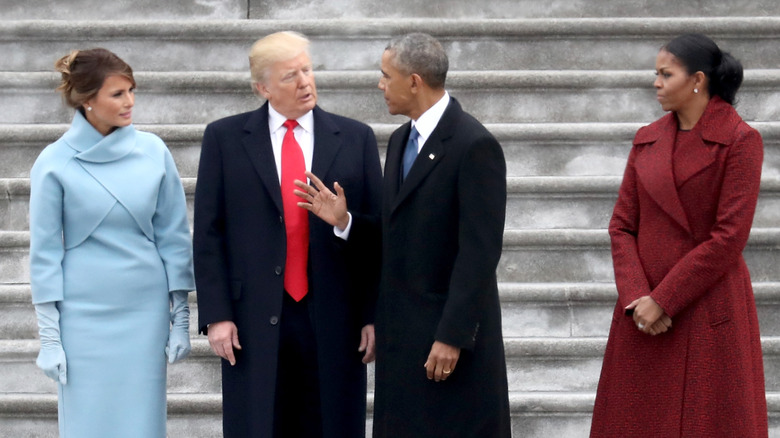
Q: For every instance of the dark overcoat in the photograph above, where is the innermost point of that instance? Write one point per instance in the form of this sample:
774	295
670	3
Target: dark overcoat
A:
442	232
240	248
682	245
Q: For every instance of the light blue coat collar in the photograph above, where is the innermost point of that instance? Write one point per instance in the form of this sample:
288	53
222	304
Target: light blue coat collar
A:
93	147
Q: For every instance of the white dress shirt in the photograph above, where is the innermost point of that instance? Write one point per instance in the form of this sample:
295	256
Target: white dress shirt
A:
304	135
427	122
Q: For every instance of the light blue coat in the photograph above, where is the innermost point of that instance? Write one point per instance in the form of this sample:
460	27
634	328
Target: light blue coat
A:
75	182
109	238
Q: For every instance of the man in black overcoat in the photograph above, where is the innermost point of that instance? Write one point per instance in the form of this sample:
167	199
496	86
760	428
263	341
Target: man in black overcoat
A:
440	368
292	366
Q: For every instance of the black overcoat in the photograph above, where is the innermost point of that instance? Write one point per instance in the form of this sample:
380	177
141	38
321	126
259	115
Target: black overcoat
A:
239	246
442	232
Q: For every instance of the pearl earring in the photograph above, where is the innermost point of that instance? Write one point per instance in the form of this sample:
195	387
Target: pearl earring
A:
695	91
89	108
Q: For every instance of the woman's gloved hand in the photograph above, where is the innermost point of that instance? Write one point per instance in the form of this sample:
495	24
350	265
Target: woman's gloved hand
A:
51	358
178	346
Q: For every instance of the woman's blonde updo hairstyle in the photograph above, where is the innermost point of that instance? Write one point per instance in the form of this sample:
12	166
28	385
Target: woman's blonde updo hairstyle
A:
84	71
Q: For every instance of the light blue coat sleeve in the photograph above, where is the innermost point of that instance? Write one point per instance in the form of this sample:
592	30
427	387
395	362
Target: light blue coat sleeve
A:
47	249
172	230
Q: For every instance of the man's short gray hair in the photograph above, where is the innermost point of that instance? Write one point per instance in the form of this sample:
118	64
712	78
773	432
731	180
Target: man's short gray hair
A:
422	54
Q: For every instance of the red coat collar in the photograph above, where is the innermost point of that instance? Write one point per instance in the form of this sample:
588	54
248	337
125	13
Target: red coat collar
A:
717	125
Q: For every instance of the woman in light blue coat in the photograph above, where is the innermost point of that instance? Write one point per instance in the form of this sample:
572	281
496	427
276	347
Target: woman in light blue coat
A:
110	258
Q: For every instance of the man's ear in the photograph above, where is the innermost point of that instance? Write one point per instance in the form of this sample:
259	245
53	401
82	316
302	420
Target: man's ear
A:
261	90
417	82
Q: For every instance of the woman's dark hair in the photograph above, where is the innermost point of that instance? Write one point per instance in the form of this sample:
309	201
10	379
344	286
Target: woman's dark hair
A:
699	53
84	71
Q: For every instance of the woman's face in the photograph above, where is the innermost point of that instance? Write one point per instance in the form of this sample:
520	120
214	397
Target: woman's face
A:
674	86
112	106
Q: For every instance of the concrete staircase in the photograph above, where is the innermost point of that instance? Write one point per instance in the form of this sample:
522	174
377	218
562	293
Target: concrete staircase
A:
563	88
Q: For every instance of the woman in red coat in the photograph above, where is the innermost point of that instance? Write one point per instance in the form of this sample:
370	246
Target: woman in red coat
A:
684	352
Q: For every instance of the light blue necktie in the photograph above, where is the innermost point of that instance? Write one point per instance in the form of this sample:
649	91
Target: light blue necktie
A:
410	153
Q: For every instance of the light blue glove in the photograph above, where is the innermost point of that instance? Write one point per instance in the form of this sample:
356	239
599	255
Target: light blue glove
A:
179	338
51	358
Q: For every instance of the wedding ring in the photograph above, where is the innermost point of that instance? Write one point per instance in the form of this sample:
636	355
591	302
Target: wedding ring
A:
446	371
641	326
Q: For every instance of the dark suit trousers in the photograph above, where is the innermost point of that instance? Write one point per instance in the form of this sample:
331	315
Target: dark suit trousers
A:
297	412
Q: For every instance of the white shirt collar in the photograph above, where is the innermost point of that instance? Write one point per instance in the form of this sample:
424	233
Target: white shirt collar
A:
276	120
427	122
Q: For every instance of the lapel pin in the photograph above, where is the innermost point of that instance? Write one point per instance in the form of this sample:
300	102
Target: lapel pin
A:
431	156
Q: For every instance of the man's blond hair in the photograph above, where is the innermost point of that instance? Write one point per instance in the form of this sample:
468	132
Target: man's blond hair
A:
276	47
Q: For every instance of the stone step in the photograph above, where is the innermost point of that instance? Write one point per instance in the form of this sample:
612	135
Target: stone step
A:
532	202
35	415
584	310
583	255
17	315
529	310
140	10
290	9
529	256
533	364
20	145
574	365
198	374
588	202
550	96
14	257
530	149
534	415
15	203
357	44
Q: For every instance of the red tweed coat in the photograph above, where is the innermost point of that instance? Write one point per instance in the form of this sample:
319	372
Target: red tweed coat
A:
683	246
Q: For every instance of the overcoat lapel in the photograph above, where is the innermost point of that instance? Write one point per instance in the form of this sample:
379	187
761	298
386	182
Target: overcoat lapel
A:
716	127
392	176
257	143
694	158
326	143
431	153
654	166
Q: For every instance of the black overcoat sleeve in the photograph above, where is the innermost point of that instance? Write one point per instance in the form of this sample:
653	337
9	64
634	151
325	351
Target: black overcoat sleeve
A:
210	255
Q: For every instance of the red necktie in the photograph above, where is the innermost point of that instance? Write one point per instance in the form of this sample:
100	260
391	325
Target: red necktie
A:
296	219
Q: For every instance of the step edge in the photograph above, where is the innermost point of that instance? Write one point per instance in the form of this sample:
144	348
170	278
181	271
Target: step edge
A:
581	132
199	82
386	27
521	402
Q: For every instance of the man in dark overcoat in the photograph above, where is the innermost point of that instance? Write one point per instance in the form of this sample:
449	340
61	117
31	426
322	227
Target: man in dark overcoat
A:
440	369
294	347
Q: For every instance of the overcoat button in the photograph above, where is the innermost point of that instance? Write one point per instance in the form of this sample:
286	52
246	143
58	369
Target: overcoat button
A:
274	320
278	270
